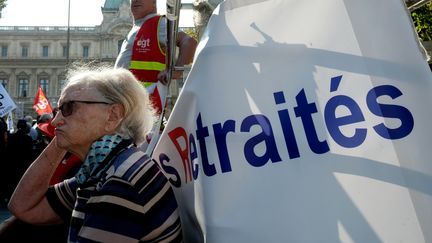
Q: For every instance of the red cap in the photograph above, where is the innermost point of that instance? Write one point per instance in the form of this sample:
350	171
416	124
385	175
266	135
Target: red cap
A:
47	129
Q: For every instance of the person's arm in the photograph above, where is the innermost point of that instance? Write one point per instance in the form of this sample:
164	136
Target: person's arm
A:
28	202
187	46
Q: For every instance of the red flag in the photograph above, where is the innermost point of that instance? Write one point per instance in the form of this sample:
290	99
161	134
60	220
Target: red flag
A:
41	104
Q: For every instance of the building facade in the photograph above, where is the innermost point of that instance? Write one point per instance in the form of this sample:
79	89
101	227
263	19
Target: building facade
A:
37	56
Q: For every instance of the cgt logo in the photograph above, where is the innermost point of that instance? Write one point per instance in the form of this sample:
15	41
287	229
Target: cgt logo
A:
42	104
144	43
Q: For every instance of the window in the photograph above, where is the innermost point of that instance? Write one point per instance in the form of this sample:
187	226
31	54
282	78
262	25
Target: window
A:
4	82
44	84
4	79
45	49
65	51
23	87
4	51
86	51
24	51
119	45
62	82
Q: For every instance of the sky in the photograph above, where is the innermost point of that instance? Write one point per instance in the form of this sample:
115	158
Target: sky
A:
55	13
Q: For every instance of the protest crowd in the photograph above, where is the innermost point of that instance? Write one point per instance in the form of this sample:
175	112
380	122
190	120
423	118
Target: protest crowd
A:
80	159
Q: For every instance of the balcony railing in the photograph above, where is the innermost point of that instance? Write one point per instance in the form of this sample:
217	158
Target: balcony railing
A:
46	28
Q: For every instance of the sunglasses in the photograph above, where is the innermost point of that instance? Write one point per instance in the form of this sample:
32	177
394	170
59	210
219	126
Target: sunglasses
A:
67	107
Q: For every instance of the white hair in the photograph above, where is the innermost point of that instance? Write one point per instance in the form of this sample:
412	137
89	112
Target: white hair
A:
119	86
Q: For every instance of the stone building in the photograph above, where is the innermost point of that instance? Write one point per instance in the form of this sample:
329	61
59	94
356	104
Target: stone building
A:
33	56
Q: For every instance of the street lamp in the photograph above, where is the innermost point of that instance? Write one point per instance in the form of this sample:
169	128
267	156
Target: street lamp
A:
68	35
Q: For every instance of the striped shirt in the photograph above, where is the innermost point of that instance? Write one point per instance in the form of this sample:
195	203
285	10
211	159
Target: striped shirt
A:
132	203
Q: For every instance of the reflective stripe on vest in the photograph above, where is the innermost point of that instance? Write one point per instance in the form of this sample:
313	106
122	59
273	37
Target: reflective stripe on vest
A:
148	84
147	59
142	65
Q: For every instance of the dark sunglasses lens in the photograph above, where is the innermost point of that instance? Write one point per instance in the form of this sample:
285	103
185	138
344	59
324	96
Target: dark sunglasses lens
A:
66	109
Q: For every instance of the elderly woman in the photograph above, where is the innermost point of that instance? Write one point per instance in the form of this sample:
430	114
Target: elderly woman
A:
119	194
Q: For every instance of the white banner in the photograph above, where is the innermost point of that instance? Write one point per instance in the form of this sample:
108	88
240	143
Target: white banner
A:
10	123
6	103
304	121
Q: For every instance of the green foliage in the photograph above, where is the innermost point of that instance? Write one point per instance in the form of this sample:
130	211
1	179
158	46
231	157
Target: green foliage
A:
192	32
422	18
2	5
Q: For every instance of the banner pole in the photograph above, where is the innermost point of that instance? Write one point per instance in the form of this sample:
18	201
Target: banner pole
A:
173	16
418	4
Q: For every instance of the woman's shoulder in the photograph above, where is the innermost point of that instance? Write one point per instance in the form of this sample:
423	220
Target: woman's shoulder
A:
128	163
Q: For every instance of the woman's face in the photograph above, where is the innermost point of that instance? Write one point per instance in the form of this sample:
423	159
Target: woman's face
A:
81	119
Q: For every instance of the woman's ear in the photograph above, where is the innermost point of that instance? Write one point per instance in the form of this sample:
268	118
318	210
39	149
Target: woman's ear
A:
115	117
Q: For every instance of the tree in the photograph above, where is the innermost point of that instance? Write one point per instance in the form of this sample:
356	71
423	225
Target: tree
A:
2	5
422	18
192	32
